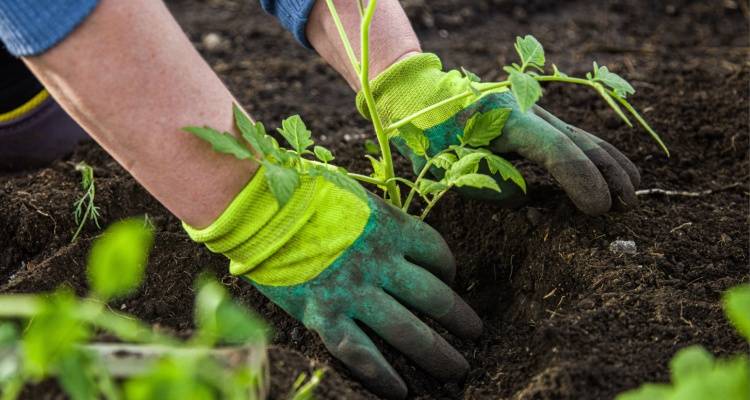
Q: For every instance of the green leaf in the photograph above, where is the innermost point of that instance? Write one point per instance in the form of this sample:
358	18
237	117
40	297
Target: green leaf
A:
338	178
76	377
415	139
478	181
526	90
52	334
282	181
468	164
371	148
649	391
444	160
220	319
296	133
507	170
530	51
323	154
118	258
620	86
427	186
557	72
472	77
483	128
737	308
690	363
221	142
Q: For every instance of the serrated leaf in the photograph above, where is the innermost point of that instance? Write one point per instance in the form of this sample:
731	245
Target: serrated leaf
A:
467	164
378	170
530	51
444	160
507	170
478	181
618	84
295	132
690	363
338	178
415	139
470	75
323	154
483	128
122	251
427	186
282	181
221	142
737	308
526	90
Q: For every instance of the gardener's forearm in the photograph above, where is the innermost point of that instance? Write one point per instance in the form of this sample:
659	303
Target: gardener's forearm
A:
132	79
391	36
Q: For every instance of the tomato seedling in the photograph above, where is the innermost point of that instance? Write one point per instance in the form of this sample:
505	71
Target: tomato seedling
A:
84	209
458	165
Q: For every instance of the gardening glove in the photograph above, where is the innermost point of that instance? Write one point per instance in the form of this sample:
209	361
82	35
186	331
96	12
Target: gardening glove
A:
593	173
332	258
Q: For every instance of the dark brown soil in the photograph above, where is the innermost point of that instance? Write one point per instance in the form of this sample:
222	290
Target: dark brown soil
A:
565	318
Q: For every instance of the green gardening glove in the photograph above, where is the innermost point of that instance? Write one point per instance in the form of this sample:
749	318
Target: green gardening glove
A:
330	258
594	174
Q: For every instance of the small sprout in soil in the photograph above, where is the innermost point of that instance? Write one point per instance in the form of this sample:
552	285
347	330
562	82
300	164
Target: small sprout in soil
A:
55	341
84	209
457	165
302	390
696	374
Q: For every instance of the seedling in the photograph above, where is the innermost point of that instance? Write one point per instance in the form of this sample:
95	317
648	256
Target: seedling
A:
696	374
458	165
84	209
58	327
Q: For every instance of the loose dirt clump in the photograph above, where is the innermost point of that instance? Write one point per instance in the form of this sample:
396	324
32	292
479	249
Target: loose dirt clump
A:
565	318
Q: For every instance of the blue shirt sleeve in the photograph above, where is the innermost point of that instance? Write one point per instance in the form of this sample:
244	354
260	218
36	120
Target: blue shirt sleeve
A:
292	14
29	28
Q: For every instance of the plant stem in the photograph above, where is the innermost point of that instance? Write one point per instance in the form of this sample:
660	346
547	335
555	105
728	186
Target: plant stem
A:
364	77
407	119
366	179
343	35
641	121
433	202
421	175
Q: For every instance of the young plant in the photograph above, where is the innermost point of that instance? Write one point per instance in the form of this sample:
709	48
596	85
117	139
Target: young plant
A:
697	375
58	328
84	209
457	166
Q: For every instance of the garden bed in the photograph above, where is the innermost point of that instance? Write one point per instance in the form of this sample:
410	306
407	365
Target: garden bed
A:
565	317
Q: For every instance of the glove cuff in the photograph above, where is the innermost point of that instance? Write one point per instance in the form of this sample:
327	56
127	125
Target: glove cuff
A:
285	246
410	85
254	227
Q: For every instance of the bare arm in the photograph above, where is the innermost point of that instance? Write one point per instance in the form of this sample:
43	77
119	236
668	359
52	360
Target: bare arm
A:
132	79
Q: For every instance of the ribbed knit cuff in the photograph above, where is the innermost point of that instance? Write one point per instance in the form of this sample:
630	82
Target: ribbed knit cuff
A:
293	15
31	27
253	227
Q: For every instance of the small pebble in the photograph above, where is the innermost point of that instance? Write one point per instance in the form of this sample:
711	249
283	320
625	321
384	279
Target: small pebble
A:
212	42
623	247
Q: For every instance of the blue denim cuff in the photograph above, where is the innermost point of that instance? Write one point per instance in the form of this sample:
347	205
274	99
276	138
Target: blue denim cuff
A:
292	14
29	28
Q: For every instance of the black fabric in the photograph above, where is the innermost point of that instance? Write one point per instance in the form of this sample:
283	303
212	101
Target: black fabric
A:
17	84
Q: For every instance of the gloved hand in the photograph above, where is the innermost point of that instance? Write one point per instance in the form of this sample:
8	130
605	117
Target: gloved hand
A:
329	258
594	174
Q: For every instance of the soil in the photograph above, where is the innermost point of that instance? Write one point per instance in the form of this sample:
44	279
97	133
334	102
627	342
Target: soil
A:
565	318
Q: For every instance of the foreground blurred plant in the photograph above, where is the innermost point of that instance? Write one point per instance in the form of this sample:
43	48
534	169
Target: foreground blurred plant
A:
57	328
697	375
458	165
